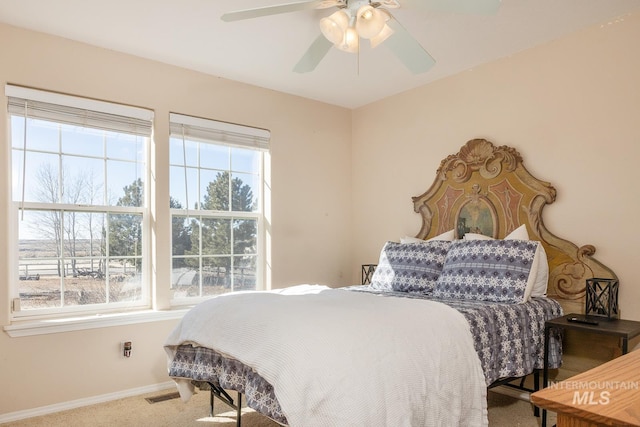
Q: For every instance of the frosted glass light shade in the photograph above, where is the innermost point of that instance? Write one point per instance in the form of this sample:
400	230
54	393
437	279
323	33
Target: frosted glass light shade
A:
351	41
386	32
333	27
369	22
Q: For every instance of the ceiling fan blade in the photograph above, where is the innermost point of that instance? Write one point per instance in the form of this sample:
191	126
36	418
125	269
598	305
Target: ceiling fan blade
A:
312	57
271	10
407	49
483	7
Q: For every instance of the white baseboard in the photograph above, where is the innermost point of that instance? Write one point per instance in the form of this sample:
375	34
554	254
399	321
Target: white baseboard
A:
58	407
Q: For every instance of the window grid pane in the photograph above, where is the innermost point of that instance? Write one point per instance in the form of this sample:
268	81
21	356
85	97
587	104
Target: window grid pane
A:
69	258
217	251
81	173
90	256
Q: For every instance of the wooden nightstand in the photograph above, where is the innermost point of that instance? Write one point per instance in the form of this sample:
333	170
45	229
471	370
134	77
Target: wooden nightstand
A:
623	329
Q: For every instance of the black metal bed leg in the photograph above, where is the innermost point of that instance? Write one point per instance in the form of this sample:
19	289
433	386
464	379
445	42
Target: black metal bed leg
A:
239	418
220	393
211	399
536	387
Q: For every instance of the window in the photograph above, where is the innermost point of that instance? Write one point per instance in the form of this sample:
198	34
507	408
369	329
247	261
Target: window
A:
78	178
80	186
216	207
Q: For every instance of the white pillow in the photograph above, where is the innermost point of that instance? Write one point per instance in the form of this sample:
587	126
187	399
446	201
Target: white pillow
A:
519	233
538	288
476	236
447	235
409	239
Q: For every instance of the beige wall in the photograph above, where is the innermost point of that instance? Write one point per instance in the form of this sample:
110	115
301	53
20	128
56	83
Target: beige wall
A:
570	107
310	226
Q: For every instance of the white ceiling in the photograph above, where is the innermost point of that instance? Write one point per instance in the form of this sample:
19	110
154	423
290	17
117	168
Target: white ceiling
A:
263	51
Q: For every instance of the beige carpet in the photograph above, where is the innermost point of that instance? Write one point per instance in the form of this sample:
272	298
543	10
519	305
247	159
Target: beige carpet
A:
504	411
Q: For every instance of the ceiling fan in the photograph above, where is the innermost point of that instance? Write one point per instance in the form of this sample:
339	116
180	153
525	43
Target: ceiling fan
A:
367	19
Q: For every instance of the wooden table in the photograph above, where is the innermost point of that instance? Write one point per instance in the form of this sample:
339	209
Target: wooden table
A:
623	329
607	395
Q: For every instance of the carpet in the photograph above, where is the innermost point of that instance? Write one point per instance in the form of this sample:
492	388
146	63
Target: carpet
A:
504	411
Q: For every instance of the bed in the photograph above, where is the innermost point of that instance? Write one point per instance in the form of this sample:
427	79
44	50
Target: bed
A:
449	313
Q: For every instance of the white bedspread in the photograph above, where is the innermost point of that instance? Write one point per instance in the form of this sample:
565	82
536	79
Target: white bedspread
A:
341	358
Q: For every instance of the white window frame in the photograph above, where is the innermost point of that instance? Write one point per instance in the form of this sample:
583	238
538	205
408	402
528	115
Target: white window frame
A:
64	109
231	135
157	306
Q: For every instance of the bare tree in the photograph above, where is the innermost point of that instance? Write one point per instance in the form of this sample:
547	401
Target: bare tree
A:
48	190
64	228
94	194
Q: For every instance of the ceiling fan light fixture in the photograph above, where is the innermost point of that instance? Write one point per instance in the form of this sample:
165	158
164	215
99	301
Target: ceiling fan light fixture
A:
333	27
369	21
386	32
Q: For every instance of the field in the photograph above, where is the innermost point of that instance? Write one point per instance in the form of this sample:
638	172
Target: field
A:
44	281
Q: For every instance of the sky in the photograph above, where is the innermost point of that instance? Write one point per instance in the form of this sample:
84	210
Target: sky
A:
97	165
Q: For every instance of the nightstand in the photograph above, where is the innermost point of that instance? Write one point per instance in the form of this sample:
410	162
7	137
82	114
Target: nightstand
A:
623	329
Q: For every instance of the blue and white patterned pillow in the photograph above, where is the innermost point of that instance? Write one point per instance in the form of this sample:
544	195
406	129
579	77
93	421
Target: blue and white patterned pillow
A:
410	267
487	270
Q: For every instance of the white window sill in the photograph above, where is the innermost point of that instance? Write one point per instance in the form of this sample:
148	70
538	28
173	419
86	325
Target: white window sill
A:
51	326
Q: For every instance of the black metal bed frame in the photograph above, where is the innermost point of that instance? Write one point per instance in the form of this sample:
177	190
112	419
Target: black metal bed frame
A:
219	393
507	382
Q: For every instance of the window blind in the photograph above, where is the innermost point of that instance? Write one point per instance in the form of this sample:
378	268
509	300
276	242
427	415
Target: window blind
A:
207	130
78	111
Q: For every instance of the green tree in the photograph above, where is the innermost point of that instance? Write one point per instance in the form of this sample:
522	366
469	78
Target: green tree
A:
217	195
216	232
180	233
125	230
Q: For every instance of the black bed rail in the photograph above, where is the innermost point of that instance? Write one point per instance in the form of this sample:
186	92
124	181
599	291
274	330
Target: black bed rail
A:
508	383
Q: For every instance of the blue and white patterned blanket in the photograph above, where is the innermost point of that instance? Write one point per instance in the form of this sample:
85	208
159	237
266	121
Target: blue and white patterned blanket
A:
509	338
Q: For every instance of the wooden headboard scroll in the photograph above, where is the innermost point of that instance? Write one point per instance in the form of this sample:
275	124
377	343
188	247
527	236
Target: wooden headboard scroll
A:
486	189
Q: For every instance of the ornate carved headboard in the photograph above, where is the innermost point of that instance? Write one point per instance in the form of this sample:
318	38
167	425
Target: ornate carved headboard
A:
486	189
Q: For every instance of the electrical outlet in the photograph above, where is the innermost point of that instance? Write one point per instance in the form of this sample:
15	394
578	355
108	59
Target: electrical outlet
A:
126	348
